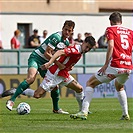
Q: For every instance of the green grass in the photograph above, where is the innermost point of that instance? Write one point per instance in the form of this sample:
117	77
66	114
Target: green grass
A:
105	117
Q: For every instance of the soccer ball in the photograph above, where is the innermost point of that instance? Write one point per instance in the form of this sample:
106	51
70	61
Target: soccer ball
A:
23	108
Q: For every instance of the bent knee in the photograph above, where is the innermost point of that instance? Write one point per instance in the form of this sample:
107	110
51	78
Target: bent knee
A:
36	96
30	80
39	92
79	90
93	82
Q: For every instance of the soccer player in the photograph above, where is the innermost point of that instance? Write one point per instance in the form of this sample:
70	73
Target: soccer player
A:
117	66
40	56
68	57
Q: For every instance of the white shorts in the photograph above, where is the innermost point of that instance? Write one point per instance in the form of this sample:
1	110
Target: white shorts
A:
120	74
50	81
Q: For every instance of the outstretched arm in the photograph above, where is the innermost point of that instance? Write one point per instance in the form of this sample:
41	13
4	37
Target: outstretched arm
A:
53	58
49	54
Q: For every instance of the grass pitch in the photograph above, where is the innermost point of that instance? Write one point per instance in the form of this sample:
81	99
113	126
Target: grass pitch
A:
105	117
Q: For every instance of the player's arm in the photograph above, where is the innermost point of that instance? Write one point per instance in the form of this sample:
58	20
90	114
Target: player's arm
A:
54	57
109	51
49	54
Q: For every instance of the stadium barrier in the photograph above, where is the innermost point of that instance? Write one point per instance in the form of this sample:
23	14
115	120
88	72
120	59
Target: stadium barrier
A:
13	69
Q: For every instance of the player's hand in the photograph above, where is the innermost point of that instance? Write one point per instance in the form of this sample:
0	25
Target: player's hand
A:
45	66
102	70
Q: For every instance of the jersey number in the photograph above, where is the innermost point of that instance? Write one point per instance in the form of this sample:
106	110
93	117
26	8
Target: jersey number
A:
124	41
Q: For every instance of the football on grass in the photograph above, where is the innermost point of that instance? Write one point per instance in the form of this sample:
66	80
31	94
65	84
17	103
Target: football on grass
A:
23	108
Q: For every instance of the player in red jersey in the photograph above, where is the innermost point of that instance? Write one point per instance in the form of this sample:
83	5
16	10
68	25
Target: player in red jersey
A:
69	57
117	66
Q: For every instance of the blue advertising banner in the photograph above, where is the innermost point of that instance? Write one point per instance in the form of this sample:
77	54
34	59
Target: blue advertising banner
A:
106	89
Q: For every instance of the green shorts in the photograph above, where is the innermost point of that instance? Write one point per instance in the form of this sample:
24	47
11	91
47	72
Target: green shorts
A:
36	61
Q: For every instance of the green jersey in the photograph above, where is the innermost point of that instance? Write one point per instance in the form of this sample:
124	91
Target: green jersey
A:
55	41
37	58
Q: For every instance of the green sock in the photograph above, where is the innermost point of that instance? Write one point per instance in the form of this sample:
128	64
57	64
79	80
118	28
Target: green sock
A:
55	98
23	86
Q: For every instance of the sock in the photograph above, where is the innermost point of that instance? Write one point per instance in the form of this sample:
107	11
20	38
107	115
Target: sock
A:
122	97
23	86
55	98
79	98
87	99
28	92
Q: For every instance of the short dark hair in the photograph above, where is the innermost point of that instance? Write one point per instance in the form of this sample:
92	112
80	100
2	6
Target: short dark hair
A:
115	17
35	31
70	23
90	40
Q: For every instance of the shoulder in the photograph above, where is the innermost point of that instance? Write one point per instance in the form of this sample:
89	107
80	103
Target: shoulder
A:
56	35
74	48
13	39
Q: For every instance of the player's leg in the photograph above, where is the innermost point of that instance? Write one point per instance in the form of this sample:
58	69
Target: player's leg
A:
8	92
32	72
23	86
74	85
27	92
88	94
55	99
89	90
55	95
122	97
39	92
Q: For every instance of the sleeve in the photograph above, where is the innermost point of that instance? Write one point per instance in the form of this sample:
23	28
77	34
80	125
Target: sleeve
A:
53	41
109	34
70	51
12	41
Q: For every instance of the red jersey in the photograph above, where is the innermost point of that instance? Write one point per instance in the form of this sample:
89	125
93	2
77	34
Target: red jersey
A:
123	42
16	42
72	56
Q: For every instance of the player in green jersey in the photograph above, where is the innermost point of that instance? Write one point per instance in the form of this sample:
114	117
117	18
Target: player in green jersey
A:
40	56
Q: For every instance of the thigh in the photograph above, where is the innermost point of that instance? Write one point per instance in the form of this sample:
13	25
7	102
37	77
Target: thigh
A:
122	78
109	75
31	76
35	61
73	84
50	81
32	62
66	81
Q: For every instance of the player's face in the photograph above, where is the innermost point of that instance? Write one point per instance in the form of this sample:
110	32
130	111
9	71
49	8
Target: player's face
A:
86	47
67	31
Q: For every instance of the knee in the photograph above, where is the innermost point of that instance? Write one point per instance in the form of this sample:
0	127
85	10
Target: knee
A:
93	83
79	90
30	80
36	95
118	86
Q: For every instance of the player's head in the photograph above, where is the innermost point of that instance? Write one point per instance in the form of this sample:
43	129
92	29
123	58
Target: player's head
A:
115	18
88	44
68	28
